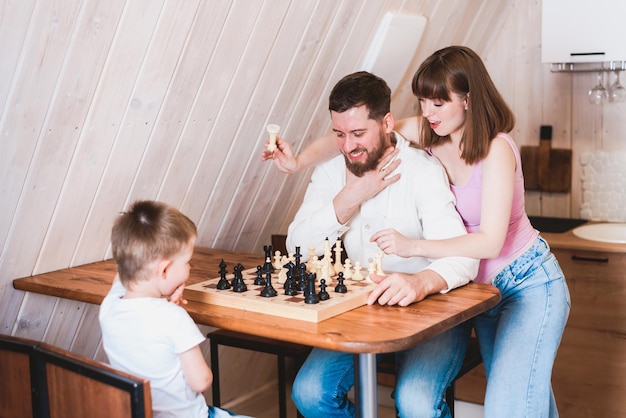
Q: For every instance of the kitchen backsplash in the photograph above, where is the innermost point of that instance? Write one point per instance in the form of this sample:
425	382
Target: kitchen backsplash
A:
604	186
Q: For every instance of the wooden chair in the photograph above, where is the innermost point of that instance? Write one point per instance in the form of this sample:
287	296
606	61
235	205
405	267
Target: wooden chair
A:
39	380
16	400
264	345
79	387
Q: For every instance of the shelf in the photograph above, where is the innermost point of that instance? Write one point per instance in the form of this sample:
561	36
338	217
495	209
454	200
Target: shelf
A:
587	67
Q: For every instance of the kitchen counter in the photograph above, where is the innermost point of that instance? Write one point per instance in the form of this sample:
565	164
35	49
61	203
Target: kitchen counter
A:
569	241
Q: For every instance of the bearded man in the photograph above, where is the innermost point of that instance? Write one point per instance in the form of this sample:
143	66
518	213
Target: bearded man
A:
381	183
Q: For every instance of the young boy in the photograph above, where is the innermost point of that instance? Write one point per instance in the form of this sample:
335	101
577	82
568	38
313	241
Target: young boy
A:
142	332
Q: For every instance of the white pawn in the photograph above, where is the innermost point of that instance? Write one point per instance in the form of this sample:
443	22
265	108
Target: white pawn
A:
318	266
357	271
277	259
311	265
311	251
371	269
347	269
379	264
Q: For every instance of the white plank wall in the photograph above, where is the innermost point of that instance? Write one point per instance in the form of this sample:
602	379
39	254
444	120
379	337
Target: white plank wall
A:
103	102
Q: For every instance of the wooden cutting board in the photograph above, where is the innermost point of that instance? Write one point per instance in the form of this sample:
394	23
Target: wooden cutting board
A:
547	169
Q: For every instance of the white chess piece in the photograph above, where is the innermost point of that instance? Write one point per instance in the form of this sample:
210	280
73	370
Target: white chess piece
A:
282	274
277	260
371	269
273	130
327	258
347	269
379	264
357	271
338	250
311	265
317	266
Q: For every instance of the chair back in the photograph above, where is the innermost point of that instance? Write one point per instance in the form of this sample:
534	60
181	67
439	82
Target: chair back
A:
15	379
41	380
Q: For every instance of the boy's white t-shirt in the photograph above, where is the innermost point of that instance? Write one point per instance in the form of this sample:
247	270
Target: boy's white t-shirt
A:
144	336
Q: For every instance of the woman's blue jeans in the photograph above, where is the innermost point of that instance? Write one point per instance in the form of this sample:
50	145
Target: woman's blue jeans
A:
519	337
424	372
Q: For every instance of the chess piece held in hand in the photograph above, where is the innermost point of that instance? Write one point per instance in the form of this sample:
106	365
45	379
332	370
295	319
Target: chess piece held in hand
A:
273	130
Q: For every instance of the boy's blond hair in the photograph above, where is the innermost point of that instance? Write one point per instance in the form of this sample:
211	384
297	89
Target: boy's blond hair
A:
149	231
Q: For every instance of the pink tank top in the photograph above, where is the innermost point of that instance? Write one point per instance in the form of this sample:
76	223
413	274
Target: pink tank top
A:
520	233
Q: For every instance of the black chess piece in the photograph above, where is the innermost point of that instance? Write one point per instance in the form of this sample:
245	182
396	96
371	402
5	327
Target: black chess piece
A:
310	297
341	288
268	258
238	284
296	258
301	277
268	291
291	289
259	280
323	294
291	286
223	283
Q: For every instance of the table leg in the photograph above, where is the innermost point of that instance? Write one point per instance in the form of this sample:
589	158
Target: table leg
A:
366	387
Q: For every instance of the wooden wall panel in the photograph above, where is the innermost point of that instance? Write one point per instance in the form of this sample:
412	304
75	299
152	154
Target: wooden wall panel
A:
14	24
130	31
134	137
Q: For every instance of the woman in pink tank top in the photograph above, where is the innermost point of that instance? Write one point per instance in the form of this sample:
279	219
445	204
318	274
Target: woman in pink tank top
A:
464	121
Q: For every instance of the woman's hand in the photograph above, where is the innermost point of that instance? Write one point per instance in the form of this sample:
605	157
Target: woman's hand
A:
391	241
283	157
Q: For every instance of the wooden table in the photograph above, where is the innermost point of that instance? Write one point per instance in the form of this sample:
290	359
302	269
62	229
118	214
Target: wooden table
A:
364	331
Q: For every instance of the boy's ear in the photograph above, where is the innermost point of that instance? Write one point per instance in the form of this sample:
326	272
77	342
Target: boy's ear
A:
162	265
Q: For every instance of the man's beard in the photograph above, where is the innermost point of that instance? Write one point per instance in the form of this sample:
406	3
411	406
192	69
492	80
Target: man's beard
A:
373	158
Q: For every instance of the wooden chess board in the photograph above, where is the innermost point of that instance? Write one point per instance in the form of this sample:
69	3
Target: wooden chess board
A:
281	305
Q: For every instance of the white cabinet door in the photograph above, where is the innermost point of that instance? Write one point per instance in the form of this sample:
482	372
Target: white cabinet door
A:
583	31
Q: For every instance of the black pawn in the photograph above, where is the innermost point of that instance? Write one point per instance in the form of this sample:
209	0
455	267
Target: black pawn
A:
340	288
323	294
259	281
238	284
268	291
223	283
310	297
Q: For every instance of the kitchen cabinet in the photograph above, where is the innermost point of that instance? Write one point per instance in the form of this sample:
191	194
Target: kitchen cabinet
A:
589	375
582	31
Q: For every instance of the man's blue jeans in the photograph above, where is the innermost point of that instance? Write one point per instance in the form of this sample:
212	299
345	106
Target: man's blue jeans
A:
424	373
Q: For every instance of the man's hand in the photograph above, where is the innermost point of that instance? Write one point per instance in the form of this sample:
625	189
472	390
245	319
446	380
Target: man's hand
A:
283	157
403	289
360	189
371	183
391	241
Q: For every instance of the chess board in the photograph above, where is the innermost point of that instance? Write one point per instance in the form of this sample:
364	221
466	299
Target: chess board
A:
281	305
